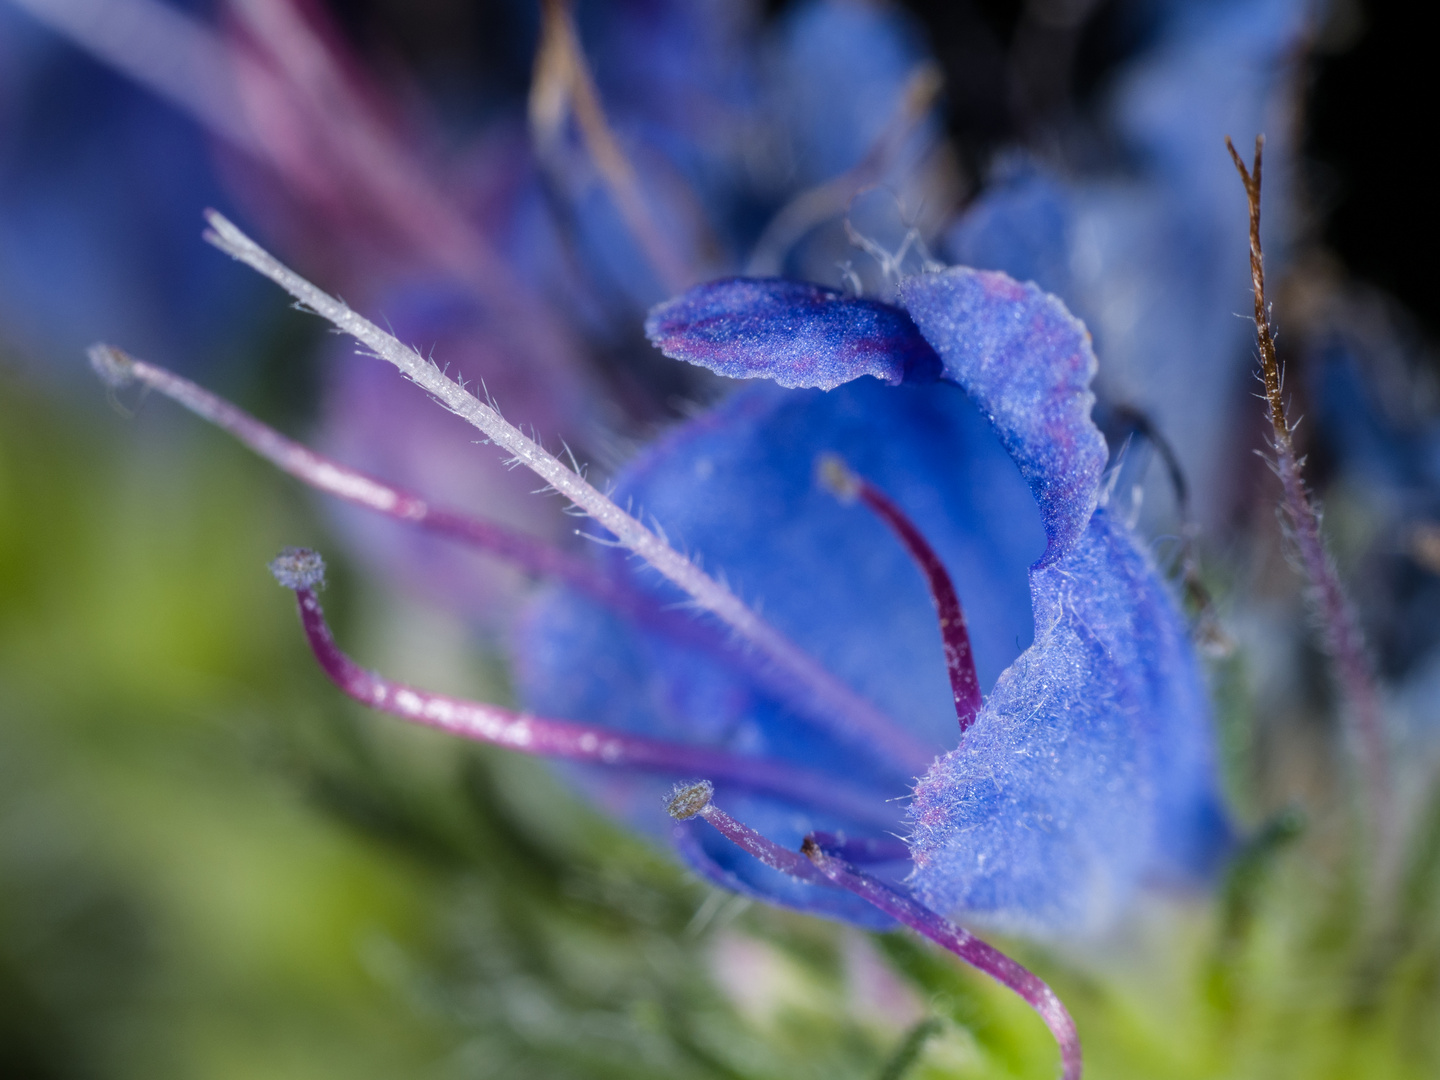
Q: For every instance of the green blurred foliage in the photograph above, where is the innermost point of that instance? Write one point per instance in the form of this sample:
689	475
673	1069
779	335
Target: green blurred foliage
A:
212	866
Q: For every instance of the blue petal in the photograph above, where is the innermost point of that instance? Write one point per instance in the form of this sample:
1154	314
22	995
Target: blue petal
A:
736	486
798	334
1089	769
1027	362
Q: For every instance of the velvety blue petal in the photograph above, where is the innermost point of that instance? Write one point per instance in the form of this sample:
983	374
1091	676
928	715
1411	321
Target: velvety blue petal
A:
736	486
1088	771
1027	362
798	334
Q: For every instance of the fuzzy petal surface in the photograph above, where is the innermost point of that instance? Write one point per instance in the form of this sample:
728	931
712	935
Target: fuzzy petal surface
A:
1089	770
796	333
1027	362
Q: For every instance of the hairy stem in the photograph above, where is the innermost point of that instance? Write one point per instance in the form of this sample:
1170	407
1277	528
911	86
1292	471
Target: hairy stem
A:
1341	631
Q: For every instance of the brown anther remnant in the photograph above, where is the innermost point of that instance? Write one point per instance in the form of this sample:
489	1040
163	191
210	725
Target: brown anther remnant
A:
1342	637
562	85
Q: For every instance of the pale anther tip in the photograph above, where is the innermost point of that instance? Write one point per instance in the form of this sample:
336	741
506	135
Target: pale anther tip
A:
299	568
835	477
114	368
687	800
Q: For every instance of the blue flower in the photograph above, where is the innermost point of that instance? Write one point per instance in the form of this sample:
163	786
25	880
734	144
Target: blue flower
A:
1082	776
1088	770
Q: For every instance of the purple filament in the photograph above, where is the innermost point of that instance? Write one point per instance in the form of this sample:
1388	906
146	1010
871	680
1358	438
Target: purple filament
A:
818	868
762	847
571	741
529	553
962	943
959	658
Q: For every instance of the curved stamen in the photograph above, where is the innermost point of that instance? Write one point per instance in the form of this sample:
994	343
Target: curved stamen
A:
818	868
959	657
302	571
531	554
978	954
830	701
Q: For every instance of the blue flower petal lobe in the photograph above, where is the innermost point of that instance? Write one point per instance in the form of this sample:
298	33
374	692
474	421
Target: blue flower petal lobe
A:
1089	770
1027	362
799	334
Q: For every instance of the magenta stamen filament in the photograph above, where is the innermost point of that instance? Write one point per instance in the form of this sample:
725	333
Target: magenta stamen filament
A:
819	868
978	954
954	635
567	740
530	554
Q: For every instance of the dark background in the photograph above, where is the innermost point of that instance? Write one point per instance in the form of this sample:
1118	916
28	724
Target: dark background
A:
1372	88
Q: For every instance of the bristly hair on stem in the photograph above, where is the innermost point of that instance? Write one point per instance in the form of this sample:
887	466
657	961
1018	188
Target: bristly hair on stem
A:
1340	629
